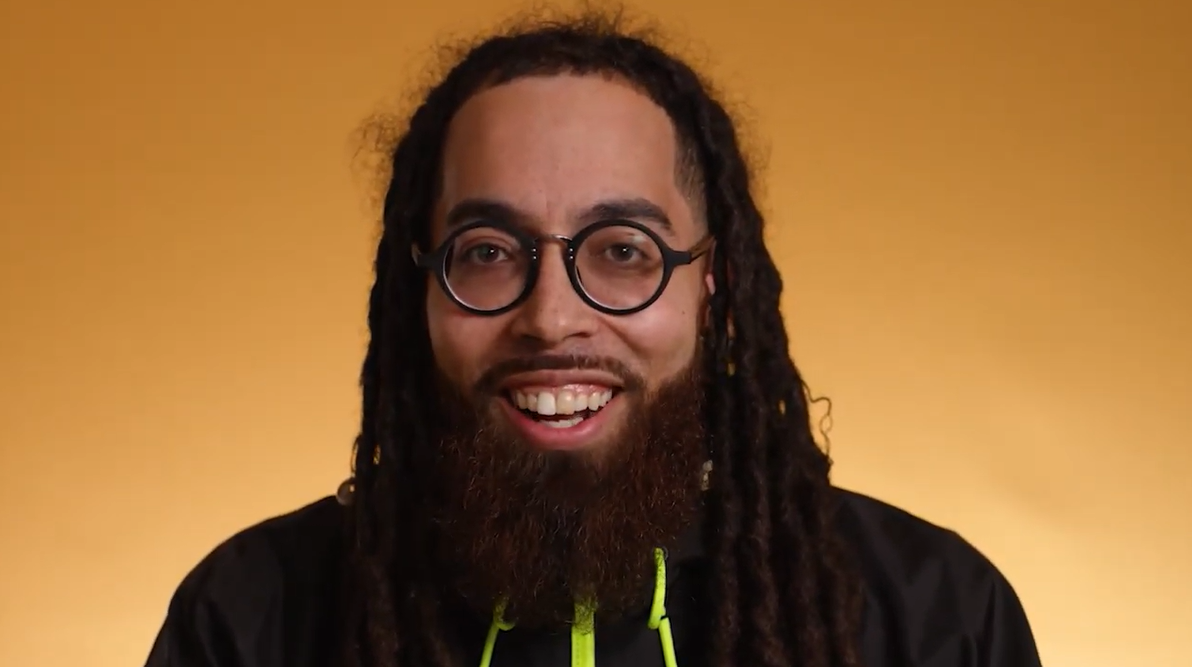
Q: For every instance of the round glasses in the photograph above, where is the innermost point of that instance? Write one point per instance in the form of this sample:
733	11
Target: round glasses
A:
618	267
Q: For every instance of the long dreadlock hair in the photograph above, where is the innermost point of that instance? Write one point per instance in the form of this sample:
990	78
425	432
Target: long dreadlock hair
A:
780	593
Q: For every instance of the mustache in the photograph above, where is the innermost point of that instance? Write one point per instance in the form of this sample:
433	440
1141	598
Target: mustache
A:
498	372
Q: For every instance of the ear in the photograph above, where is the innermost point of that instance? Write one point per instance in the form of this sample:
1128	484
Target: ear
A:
710	285
710	270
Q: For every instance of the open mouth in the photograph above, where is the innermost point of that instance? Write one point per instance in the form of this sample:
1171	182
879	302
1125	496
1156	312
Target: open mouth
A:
561	408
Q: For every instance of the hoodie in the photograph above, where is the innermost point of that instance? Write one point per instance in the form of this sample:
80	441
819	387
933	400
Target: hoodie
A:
267	597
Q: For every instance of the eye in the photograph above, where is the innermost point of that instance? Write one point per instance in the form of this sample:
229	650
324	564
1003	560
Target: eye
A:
622	252
484	253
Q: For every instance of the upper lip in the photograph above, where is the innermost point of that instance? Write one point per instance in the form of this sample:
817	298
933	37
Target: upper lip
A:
560	379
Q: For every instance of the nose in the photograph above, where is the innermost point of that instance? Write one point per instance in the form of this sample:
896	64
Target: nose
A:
553	313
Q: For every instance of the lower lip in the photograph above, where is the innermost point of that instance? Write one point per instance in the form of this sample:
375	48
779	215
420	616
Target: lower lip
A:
550	438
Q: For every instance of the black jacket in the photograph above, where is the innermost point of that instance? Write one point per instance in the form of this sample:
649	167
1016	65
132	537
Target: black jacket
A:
266	598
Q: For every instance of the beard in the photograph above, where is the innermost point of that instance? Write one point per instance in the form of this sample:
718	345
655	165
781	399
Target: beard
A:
541	531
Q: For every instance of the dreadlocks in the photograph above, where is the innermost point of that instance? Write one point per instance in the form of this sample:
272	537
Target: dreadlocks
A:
779	592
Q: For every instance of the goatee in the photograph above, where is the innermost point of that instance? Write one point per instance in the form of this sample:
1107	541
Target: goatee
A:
542	531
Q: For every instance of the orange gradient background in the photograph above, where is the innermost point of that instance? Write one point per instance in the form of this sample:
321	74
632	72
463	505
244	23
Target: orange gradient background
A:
983	215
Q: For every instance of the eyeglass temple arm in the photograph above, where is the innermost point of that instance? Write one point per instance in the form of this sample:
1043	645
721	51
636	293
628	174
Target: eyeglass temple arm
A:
421	259
700	249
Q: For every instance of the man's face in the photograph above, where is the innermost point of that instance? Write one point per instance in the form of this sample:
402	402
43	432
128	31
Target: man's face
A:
551	150
539	510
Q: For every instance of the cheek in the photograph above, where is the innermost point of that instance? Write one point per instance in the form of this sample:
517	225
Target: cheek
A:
665	335
458	340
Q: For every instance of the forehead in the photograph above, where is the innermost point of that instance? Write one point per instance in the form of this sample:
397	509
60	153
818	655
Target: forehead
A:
553	146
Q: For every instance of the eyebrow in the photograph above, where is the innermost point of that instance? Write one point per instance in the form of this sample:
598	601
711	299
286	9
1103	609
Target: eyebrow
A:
630	208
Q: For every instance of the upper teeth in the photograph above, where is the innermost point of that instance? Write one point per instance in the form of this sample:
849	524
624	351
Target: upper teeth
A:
549	402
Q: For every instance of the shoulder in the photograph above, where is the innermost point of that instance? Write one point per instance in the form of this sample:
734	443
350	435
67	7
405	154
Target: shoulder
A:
928	588
881	532
290	546
249	591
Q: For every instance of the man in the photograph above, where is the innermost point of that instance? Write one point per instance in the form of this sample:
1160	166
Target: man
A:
583	439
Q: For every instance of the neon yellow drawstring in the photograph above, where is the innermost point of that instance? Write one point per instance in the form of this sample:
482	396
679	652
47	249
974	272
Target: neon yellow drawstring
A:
490	642
583	630
583	637
658	618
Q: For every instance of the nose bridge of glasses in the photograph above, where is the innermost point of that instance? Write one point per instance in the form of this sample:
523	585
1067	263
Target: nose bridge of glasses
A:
562	241
553	268
565	245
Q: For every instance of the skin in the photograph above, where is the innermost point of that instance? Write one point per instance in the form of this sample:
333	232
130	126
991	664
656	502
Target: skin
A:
550	148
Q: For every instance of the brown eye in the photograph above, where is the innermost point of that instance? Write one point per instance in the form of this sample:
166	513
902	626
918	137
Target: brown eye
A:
622	253
484	253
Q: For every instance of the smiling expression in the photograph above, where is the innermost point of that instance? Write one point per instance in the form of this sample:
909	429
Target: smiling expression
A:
551	155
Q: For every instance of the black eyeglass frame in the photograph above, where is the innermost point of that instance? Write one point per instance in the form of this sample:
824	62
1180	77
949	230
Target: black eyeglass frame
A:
436	262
